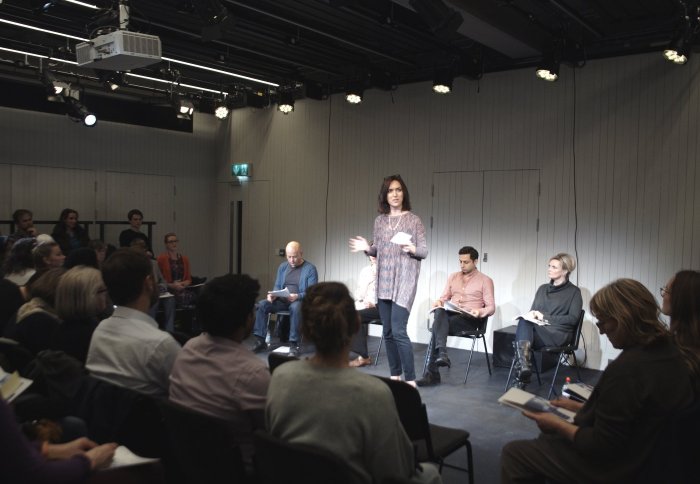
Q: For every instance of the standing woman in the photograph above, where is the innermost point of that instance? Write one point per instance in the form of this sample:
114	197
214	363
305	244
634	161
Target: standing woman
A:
68	233
398	267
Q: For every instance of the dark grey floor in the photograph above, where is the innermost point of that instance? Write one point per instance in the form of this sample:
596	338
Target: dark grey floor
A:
474	407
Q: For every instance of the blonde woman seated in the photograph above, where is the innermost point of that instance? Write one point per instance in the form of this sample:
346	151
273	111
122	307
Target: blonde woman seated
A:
616	430
308	400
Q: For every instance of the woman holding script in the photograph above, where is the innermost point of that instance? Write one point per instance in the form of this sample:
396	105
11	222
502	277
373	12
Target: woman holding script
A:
552	318
615	432
399	245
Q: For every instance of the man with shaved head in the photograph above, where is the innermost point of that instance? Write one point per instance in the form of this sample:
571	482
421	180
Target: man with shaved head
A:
297	275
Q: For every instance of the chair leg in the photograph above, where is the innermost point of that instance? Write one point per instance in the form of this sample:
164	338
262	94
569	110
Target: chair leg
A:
376	358
510	373
469	363
554	378
486	352
578	371
537	370
470	462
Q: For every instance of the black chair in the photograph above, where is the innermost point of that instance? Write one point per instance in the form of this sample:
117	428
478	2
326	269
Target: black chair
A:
205	448
563	352
275	329
434	443
276	359
117	414
14	356
275	458
475	335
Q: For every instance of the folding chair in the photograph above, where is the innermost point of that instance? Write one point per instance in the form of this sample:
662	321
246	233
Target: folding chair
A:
274	459
564	351
433	442
475	335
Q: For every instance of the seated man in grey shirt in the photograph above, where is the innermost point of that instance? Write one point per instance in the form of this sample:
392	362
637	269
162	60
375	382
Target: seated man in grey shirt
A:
128	349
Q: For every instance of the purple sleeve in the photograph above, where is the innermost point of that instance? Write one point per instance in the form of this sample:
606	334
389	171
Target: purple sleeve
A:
22	462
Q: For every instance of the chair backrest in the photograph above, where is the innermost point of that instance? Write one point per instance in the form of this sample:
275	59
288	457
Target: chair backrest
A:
276	359
412	413
276	459
117	414
577	333
205	448
14	356
480	329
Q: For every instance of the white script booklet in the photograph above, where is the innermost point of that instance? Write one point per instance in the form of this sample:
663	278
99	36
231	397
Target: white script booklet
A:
279	293
11	385
517	398
449	306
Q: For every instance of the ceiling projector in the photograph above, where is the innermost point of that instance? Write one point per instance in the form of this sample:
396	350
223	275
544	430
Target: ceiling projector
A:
120	50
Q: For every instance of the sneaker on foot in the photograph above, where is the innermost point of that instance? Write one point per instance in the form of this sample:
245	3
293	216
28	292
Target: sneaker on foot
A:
294	349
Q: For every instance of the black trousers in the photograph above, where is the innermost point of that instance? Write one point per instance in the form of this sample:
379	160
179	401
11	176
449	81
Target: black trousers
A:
359	341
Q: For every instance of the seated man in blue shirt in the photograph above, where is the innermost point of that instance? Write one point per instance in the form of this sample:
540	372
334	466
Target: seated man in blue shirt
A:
297	275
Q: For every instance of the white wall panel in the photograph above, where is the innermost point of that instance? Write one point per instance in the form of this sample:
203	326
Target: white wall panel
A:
614	144
47	191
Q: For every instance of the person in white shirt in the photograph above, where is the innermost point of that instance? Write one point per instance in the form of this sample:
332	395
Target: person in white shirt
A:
366	305
128	349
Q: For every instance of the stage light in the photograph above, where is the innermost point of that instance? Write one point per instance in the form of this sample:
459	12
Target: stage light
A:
286	102
354	94
442	82
222	111
678	51
183	107
55	89
79	113
548	69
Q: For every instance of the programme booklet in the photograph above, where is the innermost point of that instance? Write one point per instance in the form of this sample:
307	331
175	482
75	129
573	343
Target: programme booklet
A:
517	398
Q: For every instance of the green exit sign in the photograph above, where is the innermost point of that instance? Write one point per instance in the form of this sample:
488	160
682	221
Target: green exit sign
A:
240	169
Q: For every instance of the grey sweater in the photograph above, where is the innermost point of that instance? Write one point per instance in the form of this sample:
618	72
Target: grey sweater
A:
561	306
343	411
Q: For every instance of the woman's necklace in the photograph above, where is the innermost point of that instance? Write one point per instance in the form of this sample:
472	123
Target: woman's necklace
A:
398	221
